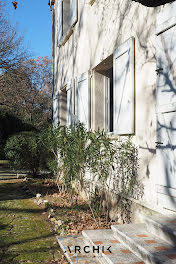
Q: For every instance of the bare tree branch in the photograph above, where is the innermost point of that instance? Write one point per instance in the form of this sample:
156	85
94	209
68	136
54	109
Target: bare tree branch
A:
11	44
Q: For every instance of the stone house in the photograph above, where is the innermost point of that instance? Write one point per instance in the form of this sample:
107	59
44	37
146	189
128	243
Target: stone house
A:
114	69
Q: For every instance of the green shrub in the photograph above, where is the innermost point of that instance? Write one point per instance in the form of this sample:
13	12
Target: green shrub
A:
24	151
2	144
76	150
10	125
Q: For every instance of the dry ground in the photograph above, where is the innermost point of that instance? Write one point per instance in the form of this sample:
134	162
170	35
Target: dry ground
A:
28	227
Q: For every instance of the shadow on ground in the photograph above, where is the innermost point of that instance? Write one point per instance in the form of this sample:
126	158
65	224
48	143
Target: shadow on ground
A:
25	233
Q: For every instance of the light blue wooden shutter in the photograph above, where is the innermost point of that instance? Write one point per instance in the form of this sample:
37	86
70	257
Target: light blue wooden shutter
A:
59	21
123	88
70	103
83	99
73	12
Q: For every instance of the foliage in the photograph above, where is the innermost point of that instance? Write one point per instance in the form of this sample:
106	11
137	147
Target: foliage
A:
77	150
10	124
126	164
24	151
12	50
2	144
69	145
71	152
100	155
112	166
124	177
25	83
26	91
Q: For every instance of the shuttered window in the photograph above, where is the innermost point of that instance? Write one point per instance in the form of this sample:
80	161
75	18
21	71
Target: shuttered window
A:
123	88
73	12
67	16
59	21
82	105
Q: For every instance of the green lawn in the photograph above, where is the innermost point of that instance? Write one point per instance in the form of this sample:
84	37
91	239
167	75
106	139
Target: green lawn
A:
3	162
25	233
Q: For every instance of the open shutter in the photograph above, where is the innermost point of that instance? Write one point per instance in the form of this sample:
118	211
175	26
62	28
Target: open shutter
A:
55	109
83	99
123	88
59	21
166	107
70	103
73	12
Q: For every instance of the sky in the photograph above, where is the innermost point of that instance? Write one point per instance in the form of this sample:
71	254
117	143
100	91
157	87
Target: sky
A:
34	21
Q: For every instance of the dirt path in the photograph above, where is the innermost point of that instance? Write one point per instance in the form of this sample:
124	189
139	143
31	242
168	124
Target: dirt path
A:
25	233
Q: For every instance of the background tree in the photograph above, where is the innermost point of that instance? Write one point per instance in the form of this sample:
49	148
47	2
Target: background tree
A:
26	91
11	43
25	84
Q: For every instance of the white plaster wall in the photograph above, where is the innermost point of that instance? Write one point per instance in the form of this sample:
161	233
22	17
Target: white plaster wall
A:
100	28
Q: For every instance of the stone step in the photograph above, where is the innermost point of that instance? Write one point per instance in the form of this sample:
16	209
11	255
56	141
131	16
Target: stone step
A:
162	226
74	248
149	248
116	254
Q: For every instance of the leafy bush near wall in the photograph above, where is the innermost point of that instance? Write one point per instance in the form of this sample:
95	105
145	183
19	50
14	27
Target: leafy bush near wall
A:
124	178
77	150
125	169
25	151
113	166
69	152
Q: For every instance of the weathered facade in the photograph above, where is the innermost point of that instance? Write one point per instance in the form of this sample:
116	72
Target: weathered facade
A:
114	68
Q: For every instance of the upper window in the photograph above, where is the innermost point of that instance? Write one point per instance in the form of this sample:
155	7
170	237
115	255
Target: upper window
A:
67	16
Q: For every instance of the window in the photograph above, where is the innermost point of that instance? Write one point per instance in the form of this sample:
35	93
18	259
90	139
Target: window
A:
102	93
109	100
113	92
67	16
66	98
106	98
63	106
